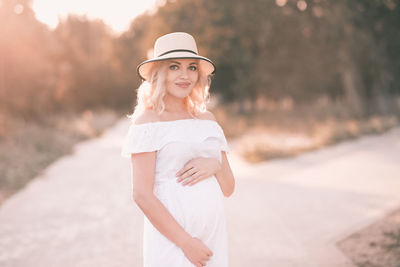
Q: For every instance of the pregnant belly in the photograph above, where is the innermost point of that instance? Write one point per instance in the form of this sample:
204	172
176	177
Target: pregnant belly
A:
198	208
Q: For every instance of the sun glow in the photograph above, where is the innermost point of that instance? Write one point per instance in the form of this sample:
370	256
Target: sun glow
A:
118	13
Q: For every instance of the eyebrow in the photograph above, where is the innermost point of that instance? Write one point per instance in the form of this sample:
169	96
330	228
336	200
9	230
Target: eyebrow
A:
180	63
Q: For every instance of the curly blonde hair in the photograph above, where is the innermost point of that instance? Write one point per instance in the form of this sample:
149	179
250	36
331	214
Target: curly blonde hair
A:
150	93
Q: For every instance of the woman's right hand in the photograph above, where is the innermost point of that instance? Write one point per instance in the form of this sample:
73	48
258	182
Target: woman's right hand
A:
196	251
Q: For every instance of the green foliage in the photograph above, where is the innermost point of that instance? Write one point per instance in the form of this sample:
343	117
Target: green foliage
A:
341	49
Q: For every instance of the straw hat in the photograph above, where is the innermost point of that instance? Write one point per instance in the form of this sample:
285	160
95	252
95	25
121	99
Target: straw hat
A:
171	46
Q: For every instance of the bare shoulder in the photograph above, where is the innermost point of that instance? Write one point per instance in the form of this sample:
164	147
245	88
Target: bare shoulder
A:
207	115
146	116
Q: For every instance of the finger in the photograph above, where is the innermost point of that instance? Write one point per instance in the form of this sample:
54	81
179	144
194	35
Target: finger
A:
203	263
184	174
186	167
193	172
206	258
183	170
189	180
189	174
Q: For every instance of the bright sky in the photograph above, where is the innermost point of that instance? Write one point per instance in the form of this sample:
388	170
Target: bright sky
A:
117	13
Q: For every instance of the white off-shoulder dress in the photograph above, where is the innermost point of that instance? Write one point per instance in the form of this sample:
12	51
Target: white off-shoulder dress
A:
199	209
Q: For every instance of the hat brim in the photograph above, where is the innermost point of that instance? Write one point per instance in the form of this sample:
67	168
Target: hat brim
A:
207	66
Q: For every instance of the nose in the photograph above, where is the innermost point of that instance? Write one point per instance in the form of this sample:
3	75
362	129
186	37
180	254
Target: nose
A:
184	72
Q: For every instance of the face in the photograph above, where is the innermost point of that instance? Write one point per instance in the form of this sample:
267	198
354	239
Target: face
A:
182	76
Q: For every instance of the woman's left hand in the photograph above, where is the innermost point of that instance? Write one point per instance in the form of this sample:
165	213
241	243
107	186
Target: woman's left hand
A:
198	169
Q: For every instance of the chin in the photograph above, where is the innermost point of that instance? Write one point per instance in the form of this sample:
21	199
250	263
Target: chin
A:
183	94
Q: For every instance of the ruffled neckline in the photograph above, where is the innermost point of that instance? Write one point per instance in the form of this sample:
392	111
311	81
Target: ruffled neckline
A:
153	136
173	121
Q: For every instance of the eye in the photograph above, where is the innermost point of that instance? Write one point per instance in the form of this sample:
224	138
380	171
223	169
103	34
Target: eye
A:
173	67
193	68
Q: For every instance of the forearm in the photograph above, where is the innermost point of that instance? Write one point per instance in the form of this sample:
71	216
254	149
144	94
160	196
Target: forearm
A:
226	182
162	219
225	177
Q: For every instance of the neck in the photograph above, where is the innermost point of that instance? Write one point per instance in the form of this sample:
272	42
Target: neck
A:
174	104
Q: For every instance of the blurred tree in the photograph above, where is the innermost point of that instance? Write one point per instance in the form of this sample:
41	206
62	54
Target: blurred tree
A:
301	49
85	64
297	48
380	20
25	63
129	50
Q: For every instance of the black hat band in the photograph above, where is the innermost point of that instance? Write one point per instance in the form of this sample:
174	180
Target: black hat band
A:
178	50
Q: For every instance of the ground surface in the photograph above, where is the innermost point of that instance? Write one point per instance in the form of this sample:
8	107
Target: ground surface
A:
377	244
289	212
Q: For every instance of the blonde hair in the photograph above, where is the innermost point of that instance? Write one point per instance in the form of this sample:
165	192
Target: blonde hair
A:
150	93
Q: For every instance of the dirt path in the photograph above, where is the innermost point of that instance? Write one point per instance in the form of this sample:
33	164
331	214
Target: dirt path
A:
289	212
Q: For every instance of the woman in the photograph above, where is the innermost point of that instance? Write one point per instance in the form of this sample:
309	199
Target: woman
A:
180	170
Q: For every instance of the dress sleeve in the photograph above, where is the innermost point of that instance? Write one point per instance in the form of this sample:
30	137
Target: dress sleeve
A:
140	138
224	143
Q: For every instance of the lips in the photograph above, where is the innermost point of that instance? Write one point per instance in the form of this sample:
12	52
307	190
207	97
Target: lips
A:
183	84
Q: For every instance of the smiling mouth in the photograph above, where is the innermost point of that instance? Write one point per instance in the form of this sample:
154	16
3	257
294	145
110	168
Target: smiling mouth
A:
183	85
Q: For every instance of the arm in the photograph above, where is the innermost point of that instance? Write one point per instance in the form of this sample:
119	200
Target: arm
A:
143	166
225	177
